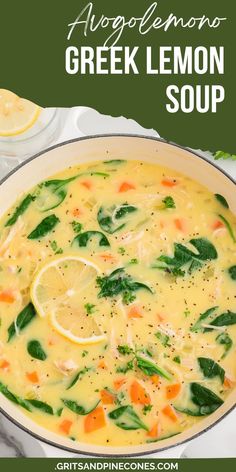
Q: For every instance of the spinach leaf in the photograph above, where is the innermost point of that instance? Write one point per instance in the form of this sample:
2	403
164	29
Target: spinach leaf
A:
169	202
183	255
41	406
150	368
22	320
78	377
20	209
82	239
205	400
114	161
197	326
57	189
204	397
164	338
124	349
221	200
232	272
108	219
191	412
225	319
229	228
78	409
118	282
35	350
226	341
13	397
126	418
224	155
211	369
44	227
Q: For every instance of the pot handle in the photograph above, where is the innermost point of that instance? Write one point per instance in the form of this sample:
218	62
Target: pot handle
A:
174	452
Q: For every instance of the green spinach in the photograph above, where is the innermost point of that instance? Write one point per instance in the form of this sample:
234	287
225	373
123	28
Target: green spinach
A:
22	320
20	209
109	219
229	228
35	350
82	239
44	407
78	377
226	341
13	397
232	272
184	256
221	200
78	409
211	369
119	283
126	418
44	227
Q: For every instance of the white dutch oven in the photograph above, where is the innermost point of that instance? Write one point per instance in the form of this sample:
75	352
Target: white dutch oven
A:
72	153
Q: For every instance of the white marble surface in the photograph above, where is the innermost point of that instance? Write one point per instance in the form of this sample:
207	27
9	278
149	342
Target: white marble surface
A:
219	441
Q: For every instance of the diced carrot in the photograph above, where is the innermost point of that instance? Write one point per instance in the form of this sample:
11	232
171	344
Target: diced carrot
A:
173	390
102	365
87	184
154	432
76	212
118	383
95	420
4	364
107	397
125	186
160	317
169	411
65	426
32	377
179	224
217	225
107	257
138	394
155	379
7	296
135	312
169	182
228	383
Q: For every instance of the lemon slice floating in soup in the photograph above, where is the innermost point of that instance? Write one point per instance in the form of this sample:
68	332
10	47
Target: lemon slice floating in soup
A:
57	291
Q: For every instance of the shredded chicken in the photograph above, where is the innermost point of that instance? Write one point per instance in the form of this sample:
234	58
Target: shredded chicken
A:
66	367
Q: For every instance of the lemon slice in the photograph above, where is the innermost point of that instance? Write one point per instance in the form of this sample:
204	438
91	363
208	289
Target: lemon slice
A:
60	290
16	114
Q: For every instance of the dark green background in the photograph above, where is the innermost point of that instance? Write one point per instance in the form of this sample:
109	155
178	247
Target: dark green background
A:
32	47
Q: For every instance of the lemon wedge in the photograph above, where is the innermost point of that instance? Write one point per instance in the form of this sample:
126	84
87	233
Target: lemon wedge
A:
60	291
17	114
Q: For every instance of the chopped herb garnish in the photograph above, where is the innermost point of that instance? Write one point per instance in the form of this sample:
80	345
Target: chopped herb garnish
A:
55	248
147	409
120	283
168	202
89	307
177	359
164	338
77	227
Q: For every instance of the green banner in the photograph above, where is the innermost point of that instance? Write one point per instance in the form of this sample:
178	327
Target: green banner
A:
110	465
173	70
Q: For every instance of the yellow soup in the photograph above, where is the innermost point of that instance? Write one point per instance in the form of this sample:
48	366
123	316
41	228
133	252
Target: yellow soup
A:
117	303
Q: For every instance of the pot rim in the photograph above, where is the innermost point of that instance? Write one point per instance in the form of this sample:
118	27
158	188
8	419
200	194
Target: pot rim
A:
107	454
